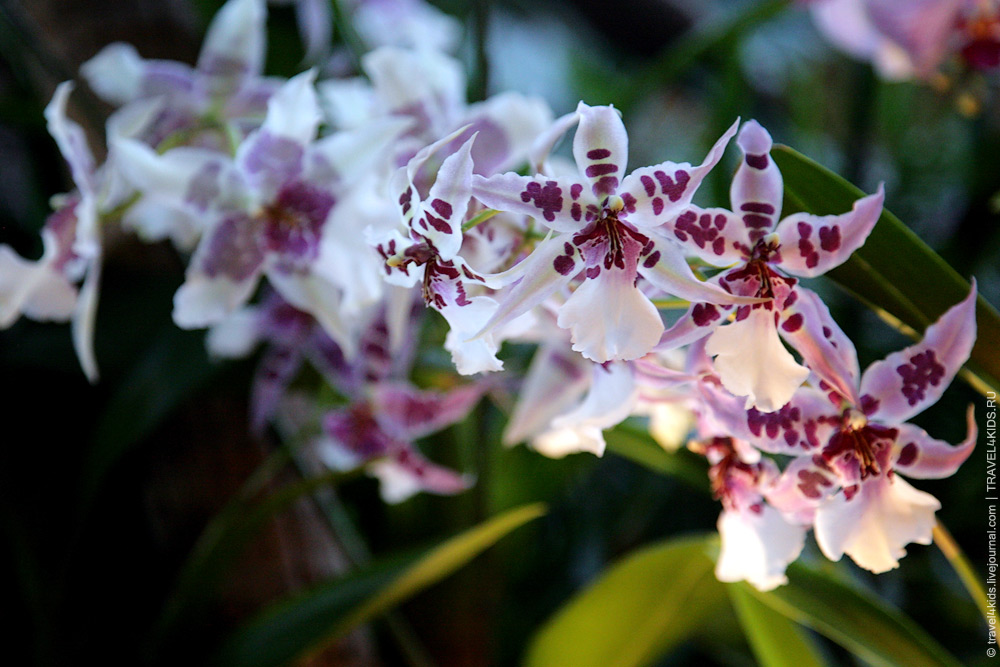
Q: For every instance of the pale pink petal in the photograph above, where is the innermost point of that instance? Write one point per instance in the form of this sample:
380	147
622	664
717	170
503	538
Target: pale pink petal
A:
906	382
662	264
812	245
236	40
116	73
757	188
293	113
876	524
757	547
770	375
407	413
610	399
920	456
609	318
34	289
803	486
600	148
562	205
699	321
313	294
407	473
84	318
658	193
426	84
714	235
472	350
808	327
551	266
508	125
923	28
555	380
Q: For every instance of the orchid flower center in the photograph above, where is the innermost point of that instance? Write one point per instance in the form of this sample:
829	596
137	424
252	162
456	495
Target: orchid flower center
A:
610	242
860	446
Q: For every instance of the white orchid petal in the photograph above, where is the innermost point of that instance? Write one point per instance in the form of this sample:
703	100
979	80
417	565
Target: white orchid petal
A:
768	375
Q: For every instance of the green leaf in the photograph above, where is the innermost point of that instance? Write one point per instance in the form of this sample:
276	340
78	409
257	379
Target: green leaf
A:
864	625
308	622
639	447
637	611
776	641
894	271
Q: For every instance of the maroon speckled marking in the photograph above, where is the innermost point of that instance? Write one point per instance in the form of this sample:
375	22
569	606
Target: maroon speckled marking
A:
601	169
757	161
758	207
674	187
908	454
704	314
598	154
829	238
703	230
869	404
575	191
548	198
806	247
442	207
773	423
563	265
923	369
793	323
810	483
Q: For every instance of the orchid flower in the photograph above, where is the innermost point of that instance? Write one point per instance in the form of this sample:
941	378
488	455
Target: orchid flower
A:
761	253
912	38
225	85
758	543
273	211
604	234
429	88
428	253
844	478
72	249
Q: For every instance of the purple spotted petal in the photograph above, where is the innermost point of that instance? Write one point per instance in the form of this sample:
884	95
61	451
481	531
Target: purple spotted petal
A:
439	218
600	148
658	193
906	382
801	426
550	267
407	472
757	188
561	205
802	487
407	413
714	235
920	456
807	326
699	321
662	264
812	245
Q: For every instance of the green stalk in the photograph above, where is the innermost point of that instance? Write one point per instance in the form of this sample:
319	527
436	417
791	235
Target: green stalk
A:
963	568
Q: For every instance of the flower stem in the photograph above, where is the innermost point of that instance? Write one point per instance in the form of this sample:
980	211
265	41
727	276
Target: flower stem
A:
963	568
479	218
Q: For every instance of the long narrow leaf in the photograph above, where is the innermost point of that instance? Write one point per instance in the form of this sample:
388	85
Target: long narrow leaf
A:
306	623
776	641
861	623
637	611
894	270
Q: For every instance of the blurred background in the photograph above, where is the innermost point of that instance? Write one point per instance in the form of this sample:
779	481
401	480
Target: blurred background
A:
105	489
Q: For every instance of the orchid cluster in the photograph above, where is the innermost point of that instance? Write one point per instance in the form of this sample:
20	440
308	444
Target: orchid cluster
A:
906	39
324	219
